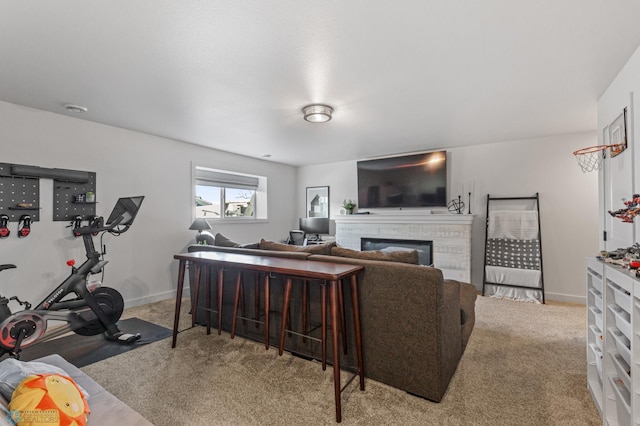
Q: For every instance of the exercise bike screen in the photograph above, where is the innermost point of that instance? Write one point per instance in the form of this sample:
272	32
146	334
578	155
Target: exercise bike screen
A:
127	208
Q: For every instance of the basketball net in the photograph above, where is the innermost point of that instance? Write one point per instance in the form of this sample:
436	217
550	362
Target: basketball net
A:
590	159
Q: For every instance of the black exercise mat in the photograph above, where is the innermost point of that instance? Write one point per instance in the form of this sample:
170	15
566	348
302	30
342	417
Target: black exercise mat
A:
85	350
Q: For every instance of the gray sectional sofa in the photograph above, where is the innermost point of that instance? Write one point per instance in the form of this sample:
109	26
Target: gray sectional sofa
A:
415	324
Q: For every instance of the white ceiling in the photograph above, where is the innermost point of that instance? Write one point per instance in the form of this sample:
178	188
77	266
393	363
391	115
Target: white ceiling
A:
402	76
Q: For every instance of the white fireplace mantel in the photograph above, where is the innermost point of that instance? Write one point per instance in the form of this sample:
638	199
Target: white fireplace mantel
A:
450	234
460	219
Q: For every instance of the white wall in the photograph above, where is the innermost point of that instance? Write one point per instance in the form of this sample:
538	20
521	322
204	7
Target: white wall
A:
568	199
619	179
127	163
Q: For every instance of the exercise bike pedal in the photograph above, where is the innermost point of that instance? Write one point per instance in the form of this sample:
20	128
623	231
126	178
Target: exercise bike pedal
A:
123	337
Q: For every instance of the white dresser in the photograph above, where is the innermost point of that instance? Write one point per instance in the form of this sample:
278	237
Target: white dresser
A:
613	342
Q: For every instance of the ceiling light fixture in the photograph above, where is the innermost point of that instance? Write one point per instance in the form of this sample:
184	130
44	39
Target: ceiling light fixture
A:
76	109
317	113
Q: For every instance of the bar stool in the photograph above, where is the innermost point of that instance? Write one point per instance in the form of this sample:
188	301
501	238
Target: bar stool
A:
239	298
205	272
239	295
323	315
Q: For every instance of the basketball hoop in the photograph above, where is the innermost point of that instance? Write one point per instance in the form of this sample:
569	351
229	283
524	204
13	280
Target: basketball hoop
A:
590	159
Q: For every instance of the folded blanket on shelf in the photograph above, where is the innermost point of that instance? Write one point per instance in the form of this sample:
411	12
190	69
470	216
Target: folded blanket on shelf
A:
523	277
513	224
510	253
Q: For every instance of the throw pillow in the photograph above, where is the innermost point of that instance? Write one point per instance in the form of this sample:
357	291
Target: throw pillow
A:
13	371
402	256
312	248
222	241
51	399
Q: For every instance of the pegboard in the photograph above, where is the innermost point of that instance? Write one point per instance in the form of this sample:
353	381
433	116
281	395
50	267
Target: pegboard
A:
17	190
64	194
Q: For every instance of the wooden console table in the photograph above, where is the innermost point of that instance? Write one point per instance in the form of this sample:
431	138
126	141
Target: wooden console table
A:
332	273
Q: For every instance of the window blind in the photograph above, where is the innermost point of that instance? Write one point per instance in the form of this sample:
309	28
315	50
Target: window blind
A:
223	179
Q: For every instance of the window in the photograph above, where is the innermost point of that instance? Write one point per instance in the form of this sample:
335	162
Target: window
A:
222	194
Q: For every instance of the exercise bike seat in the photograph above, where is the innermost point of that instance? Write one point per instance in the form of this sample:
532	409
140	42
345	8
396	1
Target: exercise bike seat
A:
6	266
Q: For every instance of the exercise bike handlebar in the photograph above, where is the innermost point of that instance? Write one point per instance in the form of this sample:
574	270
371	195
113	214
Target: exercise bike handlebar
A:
97	225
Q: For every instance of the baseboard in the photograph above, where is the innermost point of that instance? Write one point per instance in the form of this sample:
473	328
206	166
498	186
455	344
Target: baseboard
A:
130	303
557	297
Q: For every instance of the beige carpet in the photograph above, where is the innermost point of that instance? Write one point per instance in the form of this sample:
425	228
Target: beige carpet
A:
525	365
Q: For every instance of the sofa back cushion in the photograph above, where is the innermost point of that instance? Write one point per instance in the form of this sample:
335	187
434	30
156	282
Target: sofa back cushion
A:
222	241
313	248
402	256
255	252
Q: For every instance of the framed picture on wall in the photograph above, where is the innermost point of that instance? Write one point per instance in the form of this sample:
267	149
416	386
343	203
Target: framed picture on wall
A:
618	134
318	201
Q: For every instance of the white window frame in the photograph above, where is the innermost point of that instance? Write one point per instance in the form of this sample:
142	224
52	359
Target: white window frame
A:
260	206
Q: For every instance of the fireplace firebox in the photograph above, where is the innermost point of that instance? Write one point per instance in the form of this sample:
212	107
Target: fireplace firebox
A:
424	248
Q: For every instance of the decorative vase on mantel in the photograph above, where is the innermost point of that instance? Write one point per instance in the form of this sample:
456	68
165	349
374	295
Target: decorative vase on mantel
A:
348	206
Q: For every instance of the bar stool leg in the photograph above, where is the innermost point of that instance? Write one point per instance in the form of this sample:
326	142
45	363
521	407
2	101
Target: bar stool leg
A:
235	303
305	325
285	312
267	308
220	287
244	310
323	322
342	322
207	295
256	316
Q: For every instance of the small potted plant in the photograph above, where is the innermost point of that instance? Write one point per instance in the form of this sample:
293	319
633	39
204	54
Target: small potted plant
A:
349	205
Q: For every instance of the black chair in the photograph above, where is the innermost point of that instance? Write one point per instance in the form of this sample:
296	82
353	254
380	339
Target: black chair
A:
297	238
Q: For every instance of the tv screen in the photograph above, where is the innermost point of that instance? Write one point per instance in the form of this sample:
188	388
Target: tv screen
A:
417	180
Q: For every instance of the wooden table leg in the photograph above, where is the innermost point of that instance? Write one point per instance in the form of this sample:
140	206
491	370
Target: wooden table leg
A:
333	303
285	312
220	288
267	308
196	291
176	318
355	303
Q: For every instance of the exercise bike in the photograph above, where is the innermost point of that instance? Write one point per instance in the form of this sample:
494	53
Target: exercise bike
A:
78	302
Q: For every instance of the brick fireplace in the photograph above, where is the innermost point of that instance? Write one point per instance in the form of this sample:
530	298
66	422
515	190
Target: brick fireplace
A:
450	235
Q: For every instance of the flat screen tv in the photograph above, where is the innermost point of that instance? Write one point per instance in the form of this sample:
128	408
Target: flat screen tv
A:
416	180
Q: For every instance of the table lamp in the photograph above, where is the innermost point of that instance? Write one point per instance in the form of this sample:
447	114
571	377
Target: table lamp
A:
200	224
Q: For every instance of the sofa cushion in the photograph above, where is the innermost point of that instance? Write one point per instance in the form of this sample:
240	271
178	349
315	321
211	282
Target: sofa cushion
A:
313	248
222	241
403	256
